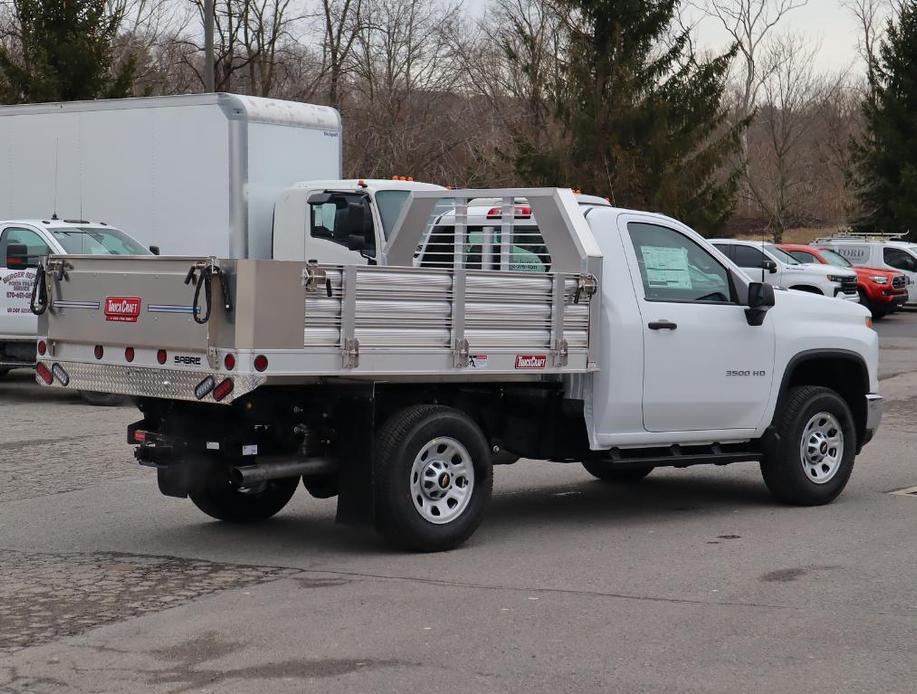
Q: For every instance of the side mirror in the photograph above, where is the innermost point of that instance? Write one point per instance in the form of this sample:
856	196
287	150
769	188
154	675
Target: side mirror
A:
770	266
154	250
355	242
17	257
760	299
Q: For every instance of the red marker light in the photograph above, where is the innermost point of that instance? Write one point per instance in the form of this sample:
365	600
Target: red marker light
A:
99	351
139	436
161	356
42	347
229	362
260	362
129	353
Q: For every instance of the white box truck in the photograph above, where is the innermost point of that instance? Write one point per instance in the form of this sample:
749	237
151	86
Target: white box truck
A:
193	174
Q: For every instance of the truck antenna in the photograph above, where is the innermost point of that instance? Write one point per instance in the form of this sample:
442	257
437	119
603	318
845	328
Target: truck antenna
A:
56	156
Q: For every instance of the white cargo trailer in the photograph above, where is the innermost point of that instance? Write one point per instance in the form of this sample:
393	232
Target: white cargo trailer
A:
193	174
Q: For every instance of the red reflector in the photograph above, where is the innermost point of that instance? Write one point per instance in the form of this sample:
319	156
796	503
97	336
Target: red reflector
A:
229	361
222	390
42	347
44	372
129	353
99	351
139	436
260	362
161	356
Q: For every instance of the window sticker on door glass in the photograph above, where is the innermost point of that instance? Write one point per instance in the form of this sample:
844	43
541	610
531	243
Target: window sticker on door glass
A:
666	267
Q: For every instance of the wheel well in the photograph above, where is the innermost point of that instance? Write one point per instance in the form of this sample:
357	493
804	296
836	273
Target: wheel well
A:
807	288
844	374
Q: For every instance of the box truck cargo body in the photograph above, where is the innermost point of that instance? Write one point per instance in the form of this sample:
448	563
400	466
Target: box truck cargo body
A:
192	174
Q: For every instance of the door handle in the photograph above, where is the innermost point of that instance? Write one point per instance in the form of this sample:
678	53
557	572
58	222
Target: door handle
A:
662	325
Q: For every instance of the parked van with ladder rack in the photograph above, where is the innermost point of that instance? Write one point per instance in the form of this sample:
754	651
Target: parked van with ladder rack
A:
394	386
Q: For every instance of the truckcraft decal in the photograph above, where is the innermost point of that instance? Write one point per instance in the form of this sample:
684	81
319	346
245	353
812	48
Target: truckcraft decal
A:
531	361
169	308
124	309
90	305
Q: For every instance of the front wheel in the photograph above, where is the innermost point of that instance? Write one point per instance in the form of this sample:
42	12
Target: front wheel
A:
219	499
814	458
434	478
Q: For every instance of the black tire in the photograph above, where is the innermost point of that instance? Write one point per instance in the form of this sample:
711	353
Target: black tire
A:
103	399
783	468
219	499
321	486
609	472
878	313
4	373
398	443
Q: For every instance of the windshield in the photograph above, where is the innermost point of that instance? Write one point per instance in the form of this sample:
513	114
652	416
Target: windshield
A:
96	241
834	258
781	255
390	203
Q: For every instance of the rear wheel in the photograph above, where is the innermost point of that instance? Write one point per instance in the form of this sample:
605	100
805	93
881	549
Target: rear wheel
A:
103	399
814	459
219	499
434	478
610	472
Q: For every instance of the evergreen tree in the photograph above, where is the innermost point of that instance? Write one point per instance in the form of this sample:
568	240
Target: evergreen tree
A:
63	53
639	118
885	158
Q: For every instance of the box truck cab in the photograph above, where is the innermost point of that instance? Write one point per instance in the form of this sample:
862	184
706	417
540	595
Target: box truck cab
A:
339	221
22	244
765	262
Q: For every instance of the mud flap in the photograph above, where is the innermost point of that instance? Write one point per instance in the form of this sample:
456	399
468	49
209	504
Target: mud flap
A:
356	427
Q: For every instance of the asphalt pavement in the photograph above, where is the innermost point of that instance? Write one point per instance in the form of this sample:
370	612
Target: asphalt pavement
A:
693	581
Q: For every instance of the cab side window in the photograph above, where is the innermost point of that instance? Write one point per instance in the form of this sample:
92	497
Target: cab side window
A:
28	238
803	256
674	268
899	259
344	219
748	257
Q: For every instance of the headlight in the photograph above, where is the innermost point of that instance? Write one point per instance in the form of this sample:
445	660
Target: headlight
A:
836	278
878	279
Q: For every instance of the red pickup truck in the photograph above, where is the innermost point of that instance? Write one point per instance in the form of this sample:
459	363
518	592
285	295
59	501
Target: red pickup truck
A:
881	291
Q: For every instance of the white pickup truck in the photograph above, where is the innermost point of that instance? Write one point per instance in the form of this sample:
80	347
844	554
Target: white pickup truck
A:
22	245
394	386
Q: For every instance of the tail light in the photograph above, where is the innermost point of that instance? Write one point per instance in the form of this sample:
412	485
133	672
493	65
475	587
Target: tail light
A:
222	390
129	353
139	436
44	373
42	347
99	351
161	356
229	362
519	212
60	374
260	362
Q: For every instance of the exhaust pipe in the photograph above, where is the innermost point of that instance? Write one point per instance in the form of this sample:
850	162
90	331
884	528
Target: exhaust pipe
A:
278	469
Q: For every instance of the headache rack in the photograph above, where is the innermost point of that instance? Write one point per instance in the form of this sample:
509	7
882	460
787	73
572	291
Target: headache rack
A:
212	329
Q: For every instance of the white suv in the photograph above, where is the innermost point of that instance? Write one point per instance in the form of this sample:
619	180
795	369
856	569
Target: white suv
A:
765	262
892	255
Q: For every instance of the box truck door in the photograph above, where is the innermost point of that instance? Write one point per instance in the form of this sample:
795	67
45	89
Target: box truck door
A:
16	276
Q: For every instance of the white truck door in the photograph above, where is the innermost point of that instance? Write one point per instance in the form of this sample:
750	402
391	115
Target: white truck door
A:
339	228
16	318
705	368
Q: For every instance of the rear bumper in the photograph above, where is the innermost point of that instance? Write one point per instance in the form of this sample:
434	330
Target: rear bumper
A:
873	416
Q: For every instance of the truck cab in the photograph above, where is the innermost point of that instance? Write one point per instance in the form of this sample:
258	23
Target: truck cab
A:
765	262
339	221
22	245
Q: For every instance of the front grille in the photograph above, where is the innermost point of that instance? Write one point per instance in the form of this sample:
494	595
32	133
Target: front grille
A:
899	282
849	285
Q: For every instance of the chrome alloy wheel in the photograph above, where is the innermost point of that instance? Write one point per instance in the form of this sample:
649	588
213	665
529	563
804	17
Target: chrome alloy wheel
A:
442	480
822	447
